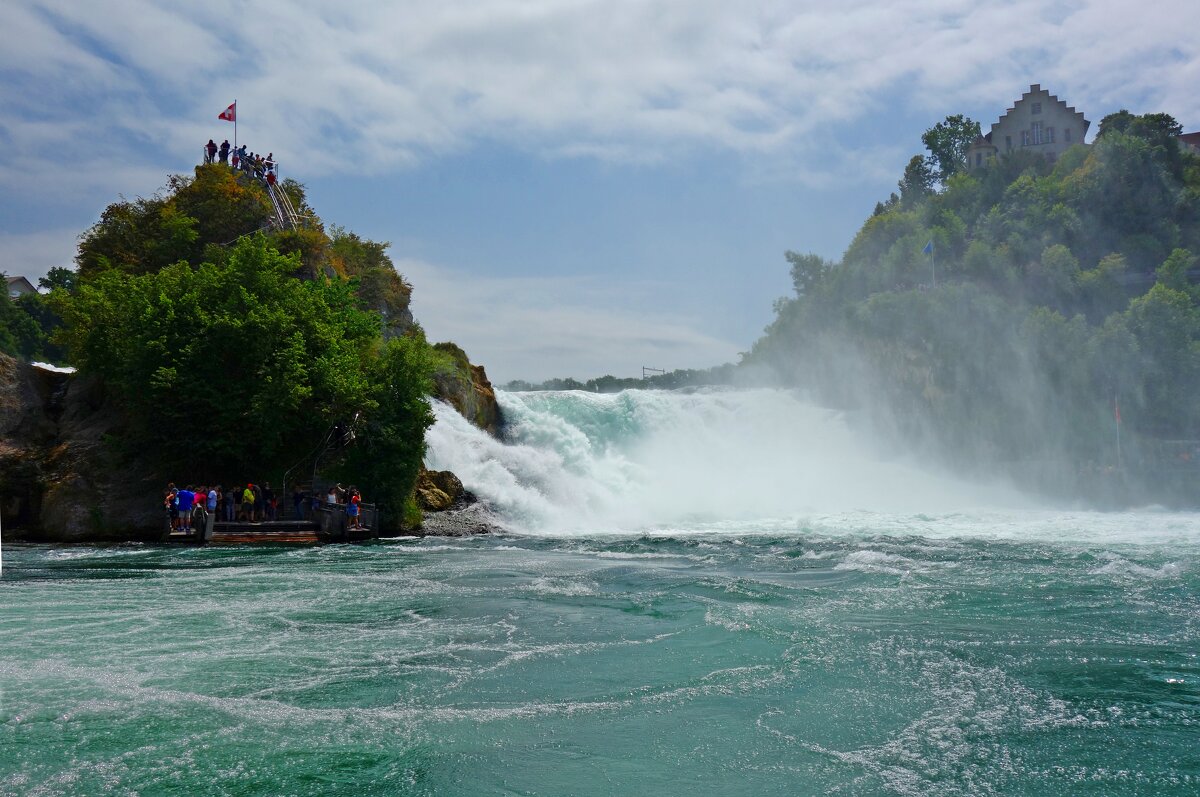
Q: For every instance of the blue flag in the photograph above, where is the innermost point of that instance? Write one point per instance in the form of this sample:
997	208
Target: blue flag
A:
928	248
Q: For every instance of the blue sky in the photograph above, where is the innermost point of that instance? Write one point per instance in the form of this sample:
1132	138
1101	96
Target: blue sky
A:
573	187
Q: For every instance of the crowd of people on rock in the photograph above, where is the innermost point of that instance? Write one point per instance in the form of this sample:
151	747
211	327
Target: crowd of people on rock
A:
188	508
240	159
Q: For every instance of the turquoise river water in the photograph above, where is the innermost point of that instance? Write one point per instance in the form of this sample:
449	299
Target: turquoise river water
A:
853	626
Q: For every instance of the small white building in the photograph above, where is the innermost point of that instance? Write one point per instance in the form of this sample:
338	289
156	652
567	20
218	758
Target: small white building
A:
1038	122
18	286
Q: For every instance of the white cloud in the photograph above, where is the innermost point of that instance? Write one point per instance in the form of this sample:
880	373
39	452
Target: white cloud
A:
538	328
385	83
107	98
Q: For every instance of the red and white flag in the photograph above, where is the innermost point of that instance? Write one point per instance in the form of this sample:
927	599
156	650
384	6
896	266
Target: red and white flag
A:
230	113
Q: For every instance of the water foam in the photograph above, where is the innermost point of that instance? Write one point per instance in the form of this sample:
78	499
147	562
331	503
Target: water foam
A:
574	461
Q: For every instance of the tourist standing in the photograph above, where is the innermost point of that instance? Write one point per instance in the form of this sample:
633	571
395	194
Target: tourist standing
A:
199	508
224	151
268	497
210	151
172	504
247	503
298	502
186	499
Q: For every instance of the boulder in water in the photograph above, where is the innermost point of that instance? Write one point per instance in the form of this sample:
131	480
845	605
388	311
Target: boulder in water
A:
438	490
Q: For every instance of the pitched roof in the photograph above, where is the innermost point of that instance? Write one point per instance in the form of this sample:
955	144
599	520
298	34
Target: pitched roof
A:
20	284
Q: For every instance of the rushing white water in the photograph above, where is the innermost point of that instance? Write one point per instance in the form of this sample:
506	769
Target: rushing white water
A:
637	460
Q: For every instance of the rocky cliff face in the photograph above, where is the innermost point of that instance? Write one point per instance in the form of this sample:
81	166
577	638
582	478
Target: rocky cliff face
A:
61	479
26	434
466	388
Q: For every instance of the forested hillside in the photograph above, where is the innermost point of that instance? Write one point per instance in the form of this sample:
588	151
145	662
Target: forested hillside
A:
1021	316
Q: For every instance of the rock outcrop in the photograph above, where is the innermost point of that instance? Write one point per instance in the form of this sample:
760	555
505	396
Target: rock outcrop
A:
439	490
62	477
26	434
466	387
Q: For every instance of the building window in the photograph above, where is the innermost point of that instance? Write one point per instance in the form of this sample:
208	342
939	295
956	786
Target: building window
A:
978	158
1037	108
1037	133
1067	134
1008	142
1025	140
1049	135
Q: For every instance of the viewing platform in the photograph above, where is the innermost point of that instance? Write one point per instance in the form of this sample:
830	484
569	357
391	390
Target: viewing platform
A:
328	524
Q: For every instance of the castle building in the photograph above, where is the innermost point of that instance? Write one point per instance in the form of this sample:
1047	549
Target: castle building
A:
1038	122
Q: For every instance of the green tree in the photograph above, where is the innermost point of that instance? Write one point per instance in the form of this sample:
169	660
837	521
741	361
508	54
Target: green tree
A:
136	237
807	271
948	141
20	335
263	362
1167	328
390	442
58	277
917	182
215	206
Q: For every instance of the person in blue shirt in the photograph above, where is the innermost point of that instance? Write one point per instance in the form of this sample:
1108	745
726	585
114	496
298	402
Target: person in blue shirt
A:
186	499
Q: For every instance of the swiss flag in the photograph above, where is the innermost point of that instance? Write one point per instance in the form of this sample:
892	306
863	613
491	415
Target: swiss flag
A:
230	113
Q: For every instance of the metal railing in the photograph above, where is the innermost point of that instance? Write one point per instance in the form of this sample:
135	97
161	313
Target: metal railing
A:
285	213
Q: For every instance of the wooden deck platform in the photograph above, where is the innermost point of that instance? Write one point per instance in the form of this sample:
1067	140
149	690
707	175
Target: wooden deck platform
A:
327	523
299	532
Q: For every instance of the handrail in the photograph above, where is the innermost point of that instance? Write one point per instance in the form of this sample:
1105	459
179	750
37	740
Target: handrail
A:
285	212
284	215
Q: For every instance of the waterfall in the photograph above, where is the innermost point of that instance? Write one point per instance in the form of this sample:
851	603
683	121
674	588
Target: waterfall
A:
639	459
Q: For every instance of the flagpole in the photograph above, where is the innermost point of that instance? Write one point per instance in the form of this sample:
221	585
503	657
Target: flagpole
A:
235	125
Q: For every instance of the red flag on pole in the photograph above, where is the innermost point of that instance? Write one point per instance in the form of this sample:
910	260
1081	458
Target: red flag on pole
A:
230	113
